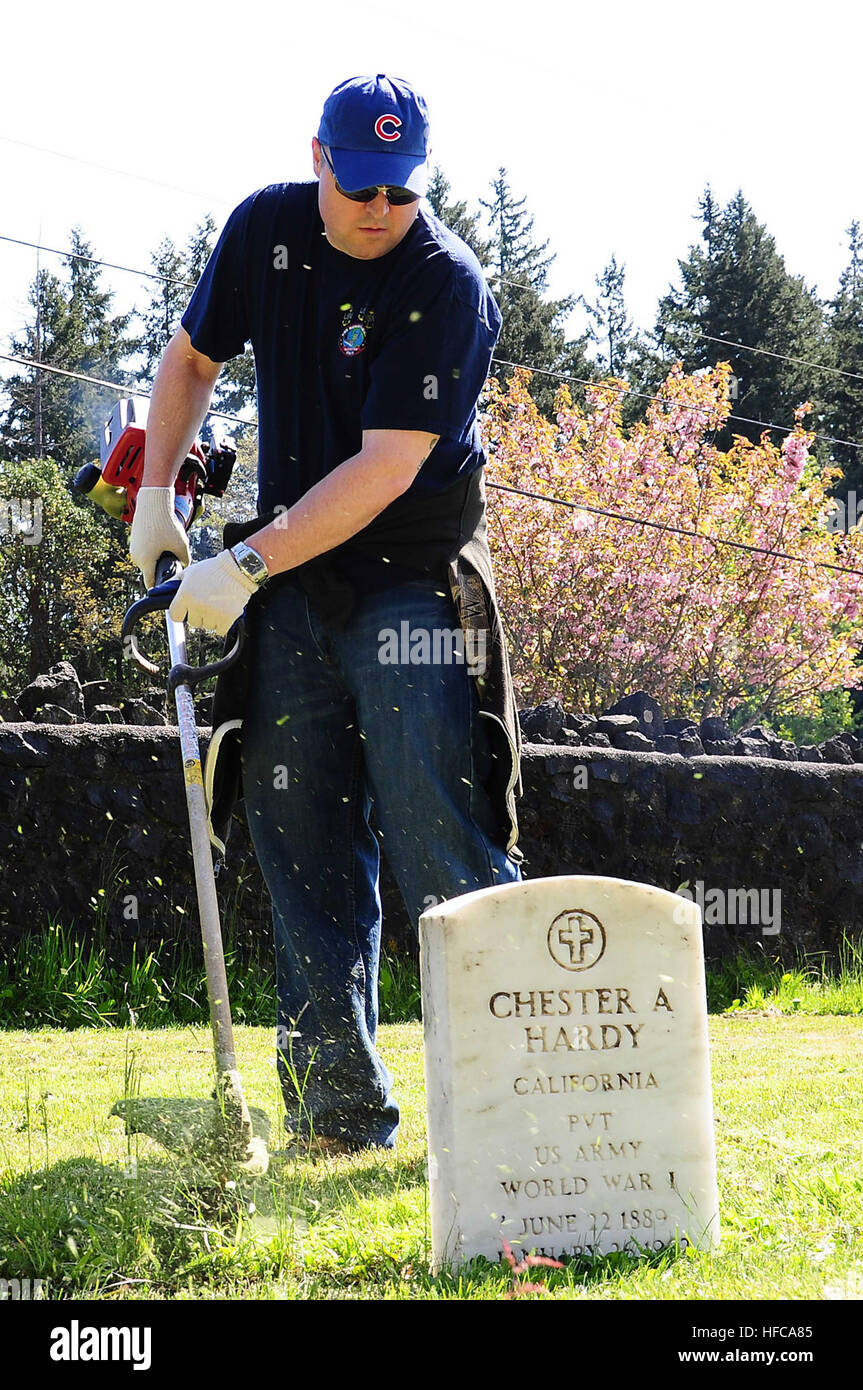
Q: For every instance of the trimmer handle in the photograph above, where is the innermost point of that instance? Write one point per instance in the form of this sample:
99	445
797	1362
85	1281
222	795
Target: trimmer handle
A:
168	568
181	674
169	572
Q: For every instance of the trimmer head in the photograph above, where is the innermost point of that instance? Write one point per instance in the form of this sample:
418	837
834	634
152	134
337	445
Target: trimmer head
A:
221	1132
249	1151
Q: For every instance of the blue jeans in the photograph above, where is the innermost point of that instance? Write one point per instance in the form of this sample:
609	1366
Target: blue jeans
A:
329	730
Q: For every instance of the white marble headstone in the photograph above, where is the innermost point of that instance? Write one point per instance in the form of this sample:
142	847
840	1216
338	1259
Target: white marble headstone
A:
567	1070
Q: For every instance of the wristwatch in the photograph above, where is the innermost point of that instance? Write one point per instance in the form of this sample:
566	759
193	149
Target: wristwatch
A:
250	562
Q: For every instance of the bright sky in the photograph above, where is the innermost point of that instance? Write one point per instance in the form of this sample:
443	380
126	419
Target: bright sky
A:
609	118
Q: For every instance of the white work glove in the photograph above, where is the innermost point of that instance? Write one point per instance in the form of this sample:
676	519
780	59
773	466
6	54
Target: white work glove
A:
212	594
155	529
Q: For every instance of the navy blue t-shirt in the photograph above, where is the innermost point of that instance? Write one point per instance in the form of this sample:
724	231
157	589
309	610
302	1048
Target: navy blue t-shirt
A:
402	342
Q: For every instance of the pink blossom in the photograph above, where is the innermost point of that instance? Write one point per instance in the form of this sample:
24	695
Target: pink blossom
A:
795	453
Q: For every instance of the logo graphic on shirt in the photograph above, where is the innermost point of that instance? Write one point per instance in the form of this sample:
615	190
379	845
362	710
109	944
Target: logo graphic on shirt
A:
356	326
387	134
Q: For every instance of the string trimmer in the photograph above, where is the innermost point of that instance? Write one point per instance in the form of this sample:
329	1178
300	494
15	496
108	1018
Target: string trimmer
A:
221	1129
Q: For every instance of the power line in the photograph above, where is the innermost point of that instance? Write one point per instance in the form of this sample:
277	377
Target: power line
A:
128	389
678	530
109	169
188	284
739	545
583	381
783	356
560	376
489	275
664	400
727	342
177	188
505	280
501	487
94	260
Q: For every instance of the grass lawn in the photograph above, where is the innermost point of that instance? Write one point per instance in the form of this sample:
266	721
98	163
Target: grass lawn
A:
95	1214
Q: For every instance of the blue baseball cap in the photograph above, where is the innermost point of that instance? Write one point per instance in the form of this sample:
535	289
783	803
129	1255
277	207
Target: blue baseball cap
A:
376	130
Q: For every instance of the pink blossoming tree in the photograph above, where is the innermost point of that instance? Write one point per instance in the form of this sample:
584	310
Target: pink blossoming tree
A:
596	607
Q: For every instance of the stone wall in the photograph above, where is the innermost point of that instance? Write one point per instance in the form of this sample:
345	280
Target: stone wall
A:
93	829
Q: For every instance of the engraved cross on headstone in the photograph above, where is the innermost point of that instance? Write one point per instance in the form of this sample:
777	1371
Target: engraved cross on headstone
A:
585	936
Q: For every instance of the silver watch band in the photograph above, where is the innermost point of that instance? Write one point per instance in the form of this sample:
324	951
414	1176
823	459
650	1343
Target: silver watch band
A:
250	562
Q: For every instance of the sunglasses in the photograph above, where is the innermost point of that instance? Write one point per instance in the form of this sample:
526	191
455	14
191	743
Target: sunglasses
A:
396	197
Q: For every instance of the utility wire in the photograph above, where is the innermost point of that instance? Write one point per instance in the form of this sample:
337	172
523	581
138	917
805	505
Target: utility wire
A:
738	545
501	487
677	530
489	275
93	260
109	385
727	342
561	376
665	400
109	169
519	284
151	275
783	356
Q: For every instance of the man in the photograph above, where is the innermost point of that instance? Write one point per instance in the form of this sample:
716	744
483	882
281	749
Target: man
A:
373	330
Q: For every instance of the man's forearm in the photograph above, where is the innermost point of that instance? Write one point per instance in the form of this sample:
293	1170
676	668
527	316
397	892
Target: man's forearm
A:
332	511
181	396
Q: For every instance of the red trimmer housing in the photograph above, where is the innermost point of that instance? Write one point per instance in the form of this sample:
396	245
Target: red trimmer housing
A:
115	480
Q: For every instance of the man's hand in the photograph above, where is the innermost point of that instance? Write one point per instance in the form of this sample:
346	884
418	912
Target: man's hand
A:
181	395
212	594
155	529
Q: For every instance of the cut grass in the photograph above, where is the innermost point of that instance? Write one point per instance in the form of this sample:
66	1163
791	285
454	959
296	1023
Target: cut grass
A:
98	1215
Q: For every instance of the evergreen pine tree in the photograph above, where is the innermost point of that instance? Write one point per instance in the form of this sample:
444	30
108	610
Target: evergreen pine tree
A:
31	418
235	387
169	296
532	334
101	342
199	248
456	216
73	328
622	352
844	394
736	287
179	272
612	331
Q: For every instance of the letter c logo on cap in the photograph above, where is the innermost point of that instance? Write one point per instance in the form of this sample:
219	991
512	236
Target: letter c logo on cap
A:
387	134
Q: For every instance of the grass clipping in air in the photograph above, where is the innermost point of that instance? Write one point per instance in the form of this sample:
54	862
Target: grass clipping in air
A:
222	1133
